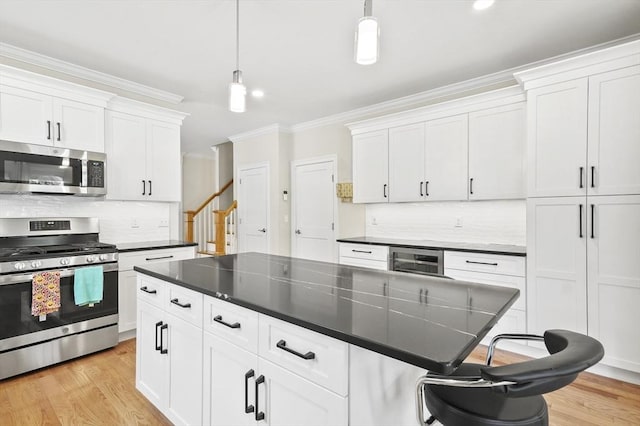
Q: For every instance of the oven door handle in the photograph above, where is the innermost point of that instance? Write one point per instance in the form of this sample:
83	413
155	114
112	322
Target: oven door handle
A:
64	273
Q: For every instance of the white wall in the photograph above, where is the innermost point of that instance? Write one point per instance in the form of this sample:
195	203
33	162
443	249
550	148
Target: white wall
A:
199	180
120	221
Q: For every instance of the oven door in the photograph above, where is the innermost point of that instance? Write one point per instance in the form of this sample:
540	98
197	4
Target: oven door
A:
18	328
417	261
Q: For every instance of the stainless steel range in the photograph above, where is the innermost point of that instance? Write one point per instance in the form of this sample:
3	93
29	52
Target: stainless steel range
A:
36	332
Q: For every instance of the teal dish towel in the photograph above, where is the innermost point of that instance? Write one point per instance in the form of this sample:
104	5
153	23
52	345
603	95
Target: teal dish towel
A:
88	285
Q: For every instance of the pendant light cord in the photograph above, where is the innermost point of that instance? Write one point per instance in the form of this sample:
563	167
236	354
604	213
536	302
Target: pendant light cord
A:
237	34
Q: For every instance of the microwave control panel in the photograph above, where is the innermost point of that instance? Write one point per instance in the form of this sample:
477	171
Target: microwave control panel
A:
95	174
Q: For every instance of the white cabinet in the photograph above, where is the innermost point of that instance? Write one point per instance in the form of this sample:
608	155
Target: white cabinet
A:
169	351
406	163
496	153
32	117
498	270
127	289
149	152
371	167
365	255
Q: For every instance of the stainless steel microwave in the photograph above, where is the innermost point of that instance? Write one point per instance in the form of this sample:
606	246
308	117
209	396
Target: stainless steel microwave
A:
51	170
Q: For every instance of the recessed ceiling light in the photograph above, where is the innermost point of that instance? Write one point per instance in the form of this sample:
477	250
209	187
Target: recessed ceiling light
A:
482	4
257	93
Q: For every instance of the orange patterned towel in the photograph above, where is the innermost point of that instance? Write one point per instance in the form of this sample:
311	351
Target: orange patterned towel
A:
45	293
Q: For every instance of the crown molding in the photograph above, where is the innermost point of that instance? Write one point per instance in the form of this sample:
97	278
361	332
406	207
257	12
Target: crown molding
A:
267	130
33	58
142	109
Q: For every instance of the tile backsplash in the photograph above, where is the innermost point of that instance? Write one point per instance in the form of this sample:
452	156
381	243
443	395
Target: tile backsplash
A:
498	222
120	221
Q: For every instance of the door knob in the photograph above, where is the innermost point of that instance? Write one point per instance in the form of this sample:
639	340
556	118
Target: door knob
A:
298	232
262	230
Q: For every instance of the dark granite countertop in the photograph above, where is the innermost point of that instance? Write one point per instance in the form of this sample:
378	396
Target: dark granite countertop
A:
153	245
430	322
514	250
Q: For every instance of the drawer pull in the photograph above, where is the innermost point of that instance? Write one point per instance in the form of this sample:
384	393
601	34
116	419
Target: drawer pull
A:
482	263
146	290
158	346
248	408
219	319
158	258
182	305
162	350
283	345
361	251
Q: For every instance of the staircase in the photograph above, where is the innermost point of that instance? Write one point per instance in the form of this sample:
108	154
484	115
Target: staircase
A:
214	230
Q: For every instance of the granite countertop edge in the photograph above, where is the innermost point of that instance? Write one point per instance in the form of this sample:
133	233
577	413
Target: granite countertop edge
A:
152	245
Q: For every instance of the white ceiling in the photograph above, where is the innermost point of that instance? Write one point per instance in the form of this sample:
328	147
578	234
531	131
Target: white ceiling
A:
300	52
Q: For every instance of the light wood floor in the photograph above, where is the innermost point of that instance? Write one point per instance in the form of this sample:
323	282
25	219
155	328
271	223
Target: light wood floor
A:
99	389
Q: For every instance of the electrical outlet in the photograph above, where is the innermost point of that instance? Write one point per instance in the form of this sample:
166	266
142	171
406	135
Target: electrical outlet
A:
134	223
374	221
458	222
164	223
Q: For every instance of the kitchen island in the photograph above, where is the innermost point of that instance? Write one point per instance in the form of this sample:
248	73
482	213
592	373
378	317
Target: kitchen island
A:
278	340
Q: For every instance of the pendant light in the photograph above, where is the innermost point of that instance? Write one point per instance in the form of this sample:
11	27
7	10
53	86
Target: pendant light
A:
367	37
237	90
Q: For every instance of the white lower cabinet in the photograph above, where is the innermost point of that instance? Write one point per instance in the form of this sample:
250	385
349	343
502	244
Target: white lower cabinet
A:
365	255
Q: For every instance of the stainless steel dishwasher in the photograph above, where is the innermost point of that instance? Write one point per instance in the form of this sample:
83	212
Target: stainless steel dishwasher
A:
416	261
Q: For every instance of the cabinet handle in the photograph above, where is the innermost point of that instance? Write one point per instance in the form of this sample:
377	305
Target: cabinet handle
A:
426	188
182	305
219	319
282	344
58	124
158	258
593	219
384	289
384	190
146	290
163	351
593	171
158	346
421	192
361	251
149	187
581	174
144	187
426	291
482	263
259	414
420	296
48	129
471	186
580	221
248	408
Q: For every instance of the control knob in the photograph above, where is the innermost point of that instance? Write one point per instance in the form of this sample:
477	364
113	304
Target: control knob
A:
103	257
36	264
65	261
19	266
91	258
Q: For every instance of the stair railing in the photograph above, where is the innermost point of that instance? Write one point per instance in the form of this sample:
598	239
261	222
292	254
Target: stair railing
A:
225	221
200	223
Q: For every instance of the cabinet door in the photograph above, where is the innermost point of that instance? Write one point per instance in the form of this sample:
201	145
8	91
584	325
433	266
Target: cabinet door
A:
556	264
614	278
446	159
229	375
164	165
557	139
25	116
127	300
183	406
151	366
126	157
371	167
406	163
288	399
614	132
78	125
496	153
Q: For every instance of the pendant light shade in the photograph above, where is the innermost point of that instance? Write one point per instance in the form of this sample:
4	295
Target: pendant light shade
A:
367	44
237	91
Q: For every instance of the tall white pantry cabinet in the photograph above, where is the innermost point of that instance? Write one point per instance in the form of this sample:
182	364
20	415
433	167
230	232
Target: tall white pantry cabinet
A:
583	206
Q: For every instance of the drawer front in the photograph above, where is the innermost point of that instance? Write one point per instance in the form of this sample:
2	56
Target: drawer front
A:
329	358
234	323
364	251
365	263
493	279
184	303
481	262
513	321
151	290
127	260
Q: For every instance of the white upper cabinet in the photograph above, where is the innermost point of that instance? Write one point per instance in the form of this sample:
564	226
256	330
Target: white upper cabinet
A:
446	158
406	163
371	167
163	161
614	132
78	125
496	153
25	116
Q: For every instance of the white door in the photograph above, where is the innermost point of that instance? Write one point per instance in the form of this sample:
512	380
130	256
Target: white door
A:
371	167
313	207
557	264
496	153
406	163
253	209
25	116
557	139
163	161
614	132
445	169
126	148
78	125
151	366
614	278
